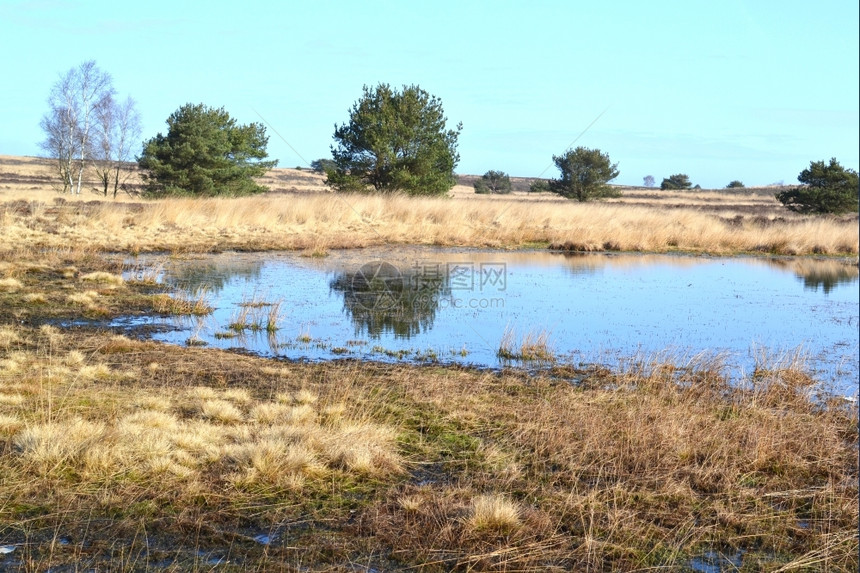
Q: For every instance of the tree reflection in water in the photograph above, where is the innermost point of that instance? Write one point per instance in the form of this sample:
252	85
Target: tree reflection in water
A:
826	274
381	299
210	275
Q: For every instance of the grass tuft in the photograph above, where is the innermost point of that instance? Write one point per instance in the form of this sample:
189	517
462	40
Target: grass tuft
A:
8	336
103	277
221	411
10	285
494	514
47	447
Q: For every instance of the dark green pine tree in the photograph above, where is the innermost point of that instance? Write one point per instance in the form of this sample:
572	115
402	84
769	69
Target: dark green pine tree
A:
395	141
205	153
827	188
585	174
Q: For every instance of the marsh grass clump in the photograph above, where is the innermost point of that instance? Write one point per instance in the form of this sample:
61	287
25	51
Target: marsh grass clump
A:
86	298
318	250
507	346
183	303
46	447
10	424
8	336
35	298
227	335
195	341
273	317
147	275
533	347
305	396
256	314
221	411
241	320
782	378
363	447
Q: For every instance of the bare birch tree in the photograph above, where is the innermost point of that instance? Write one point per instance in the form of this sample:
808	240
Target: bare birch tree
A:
59	144
69	124
118	132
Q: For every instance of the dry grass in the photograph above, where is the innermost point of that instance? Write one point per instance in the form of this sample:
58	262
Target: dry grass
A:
103	277
256	314
494	514
75	436
432	468
34	178
10	284
314	223
35	298
664	453
8	335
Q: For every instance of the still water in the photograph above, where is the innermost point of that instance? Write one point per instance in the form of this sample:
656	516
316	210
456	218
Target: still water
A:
454	305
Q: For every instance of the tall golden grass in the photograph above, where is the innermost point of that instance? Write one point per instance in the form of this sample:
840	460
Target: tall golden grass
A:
316	222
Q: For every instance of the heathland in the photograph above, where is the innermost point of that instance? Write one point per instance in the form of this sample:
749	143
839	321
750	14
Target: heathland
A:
119	453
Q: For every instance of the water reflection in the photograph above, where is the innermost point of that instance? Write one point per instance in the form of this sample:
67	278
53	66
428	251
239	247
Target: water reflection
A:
381	298
825	274
459	302
813	273
212	275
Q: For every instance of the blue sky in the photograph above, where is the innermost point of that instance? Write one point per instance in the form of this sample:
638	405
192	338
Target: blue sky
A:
739	89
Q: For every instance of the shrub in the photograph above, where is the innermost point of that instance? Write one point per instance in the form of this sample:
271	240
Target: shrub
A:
539	186
677	181
493	182
323	165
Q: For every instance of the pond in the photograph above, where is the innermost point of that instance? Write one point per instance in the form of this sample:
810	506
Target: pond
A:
464	305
